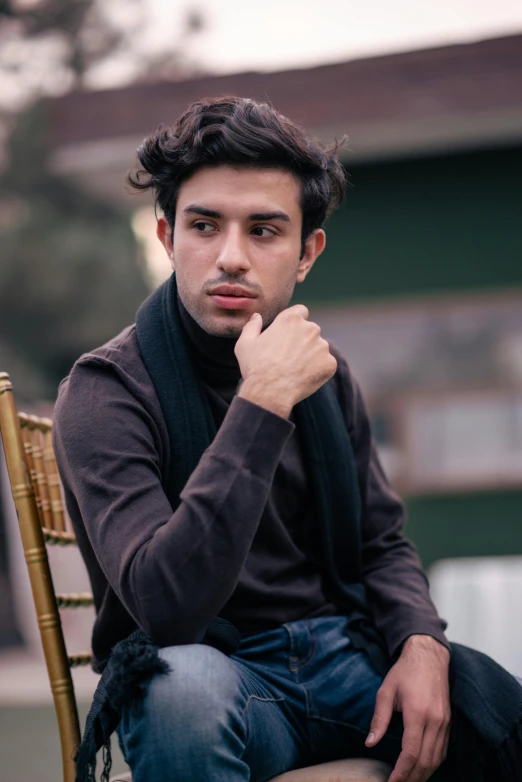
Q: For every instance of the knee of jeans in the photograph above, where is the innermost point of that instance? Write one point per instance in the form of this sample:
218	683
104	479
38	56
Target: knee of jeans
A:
198	695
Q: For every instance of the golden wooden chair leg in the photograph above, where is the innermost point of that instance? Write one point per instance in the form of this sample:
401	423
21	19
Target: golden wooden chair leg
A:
20	465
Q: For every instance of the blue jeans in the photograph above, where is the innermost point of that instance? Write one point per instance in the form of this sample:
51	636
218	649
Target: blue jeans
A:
290	697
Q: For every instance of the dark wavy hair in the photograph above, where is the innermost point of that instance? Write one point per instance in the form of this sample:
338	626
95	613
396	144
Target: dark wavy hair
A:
241	132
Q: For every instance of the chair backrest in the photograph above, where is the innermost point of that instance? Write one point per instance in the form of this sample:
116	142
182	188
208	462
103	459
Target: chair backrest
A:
37	494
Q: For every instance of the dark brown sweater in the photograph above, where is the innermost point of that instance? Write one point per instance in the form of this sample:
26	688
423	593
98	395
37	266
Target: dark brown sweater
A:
236	545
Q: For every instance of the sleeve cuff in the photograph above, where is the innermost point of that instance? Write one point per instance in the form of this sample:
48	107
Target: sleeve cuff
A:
427	629
252	437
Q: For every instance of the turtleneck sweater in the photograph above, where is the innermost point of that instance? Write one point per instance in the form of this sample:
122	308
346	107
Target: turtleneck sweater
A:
241	543
280	580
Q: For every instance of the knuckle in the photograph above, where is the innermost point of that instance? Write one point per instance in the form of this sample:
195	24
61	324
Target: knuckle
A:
435	715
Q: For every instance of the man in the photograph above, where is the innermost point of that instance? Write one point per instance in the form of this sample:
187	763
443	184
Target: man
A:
218	461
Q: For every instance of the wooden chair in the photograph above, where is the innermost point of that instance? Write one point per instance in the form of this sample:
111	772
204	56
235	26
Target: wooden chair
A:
36	490
37	494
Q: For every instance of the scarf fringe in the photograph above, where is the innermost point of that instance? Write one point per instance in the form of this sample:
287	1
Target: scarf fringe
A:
132	664
107	761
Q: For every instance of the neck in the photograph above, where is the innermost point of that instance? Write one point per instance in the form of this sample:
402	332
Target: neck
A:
215	358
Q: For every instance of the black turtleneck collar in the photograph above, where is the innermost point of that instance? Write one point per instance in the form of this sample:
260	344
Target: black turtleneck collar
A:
215	358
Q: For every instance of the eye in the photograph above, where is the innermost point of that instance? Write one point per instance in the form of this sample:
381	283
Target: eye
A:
258	231
203	227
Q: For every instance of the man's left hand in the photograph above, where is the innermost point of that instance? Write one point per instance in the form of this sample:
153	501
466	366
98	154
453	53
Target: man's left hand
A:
417	685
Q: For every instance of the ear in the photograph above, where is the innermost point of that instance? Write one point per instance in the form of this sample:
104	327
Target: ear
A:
313	248
164	234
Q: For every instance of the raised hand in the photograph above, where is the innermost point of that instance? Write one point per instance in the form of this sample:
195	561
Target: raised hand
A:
285	363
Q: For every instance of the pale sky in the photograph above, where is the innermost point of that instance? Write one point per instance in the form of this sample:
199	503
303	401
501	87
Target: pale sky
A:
279	34
273	34
242	36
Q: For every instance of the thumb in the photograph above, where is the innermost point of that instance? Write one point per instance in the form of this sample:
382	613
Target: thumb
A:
252	328
381	718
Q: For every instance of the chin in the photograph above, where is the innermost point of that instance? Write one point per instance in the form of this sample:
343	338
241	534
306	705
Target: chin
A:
227	328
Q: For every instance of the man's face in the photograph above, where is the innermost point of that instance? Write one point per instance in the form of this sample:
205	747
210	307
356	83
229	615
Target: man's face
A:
237	244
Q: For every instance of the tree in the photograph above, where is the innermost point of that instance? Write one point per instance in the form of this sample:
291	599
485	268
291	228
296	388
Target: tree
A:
69	277
48	47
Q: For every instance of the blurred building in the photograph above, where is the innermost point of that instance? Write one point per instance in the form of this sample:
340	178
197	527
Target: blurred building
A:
421	282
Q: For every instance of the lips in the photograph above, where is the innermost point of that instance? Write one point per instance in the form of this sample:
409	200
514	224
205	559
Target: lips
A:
231	297
232	290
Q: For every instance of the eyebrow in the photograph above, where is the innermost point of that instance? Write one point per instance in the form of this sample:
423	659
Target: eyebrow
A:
201	210
255	216
262	216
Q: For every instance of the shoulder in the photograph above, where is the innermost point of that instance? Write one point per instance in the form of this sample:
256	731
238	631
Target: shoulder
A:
121	353
111	376
120	356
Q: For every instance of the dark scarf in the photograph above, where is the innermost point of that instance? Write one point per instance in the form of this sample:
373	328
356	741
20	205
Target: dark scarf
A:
327	447
216	363
487	701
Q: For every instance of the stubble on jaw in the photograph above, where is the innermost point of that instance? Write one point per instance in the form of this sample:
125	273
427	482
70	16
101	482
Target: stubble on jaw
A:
218	327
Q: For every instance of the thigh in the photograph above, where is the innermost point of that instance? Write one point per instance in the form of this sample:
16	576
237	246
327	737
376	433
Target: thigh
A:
277	739
341	687
209	717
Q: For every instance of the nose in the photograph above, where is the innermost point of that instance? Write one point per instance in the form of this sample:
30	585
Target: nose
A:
233	253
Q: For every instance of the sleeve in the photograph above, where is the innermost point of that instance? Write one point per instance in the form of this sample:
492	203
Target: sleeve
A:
397	586
172	571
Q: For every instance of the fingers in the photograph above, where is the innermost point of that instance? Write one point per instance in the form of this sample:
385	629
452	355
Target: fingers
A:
446	743
424	748
427	762
252	328
300	309
441	747
411	749
438	749
381	716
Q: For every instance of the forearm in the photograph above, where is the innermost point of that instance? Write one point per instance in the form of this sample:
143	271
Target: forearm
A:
399	597
193	562
172	571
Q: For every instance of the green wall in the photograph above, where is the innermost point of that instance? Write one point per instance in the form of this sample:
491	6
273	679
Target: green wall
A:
464	525
420	226
428	226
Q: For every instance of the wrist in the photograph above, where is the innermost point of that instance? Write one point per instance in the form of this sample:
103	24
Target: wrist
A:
426	643
257	391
